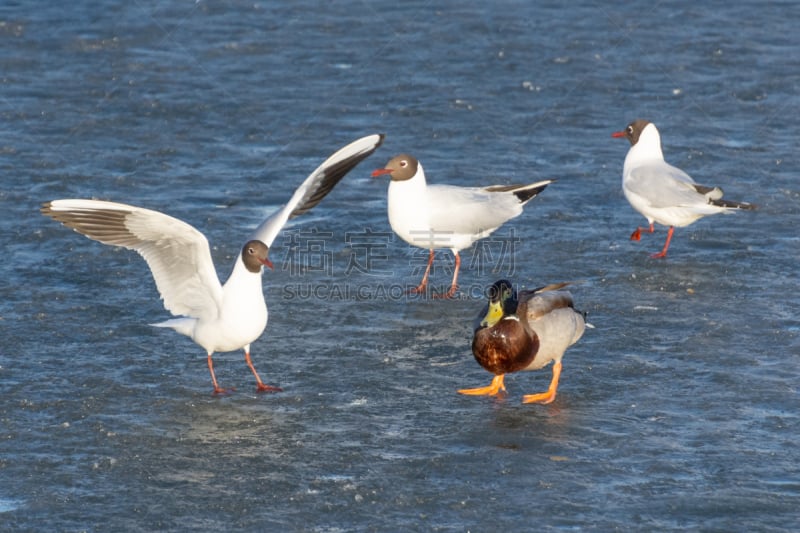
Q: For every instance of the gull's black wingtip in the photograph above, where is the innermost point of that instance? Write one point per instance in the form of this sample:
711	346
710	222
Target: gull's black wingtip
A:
334	173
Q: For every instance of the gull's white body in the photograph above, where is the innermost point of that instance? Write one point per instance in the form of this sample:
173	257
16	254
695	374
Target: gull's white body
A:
447	216
241	318
661	192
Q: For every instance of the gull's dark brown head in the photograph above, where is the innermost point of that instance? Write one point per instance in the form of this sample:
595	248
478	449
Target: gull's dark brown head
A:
400	168
632	131
255	254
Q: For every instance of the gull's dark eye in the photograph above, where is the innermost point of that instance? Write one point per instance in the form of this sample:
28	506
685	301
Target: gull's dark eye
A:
630	130
251	251
404	163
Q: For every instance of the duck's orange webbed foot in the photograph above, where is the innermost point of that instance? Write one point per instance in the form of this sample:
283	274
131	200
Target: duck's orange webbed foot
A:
491	390
542	397
550	395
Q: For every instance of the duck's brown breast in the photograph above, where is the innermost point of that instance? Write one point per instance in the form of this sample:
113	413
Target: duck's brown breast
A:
505	347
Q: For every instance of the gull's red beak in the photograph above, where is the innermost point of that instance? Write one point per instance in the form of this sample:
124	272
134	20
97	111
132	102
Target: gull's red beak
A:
618	134
267	262
381	171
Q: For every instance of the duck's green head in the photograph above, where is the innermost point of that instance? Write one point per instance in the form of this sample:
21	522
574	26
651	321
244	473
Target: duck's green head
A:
502	302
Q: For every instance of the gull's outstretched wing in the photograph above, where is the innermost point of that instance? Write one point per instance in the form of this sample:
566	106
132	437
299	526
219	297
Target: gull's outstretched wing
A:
177	254
317	185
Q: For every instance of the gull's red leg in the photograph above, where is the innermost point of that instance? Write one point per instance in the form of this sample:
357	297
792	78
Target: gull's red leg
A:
663	252
217	388
260	386
454	284
636	235
424	283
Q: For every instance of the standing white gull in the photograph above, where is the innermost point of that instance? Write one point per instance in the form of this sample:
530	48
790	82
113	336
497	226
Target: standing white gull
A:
448	216
220	318
663	193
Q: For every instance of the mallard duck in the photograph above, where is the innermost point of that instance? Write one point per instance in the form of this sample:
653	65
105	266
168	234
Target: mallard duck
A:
524	332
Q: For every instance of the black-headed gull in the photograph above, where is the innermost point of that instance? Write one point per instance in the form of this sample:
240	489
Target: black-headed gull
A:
220	318
663	193
524	332
448	216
